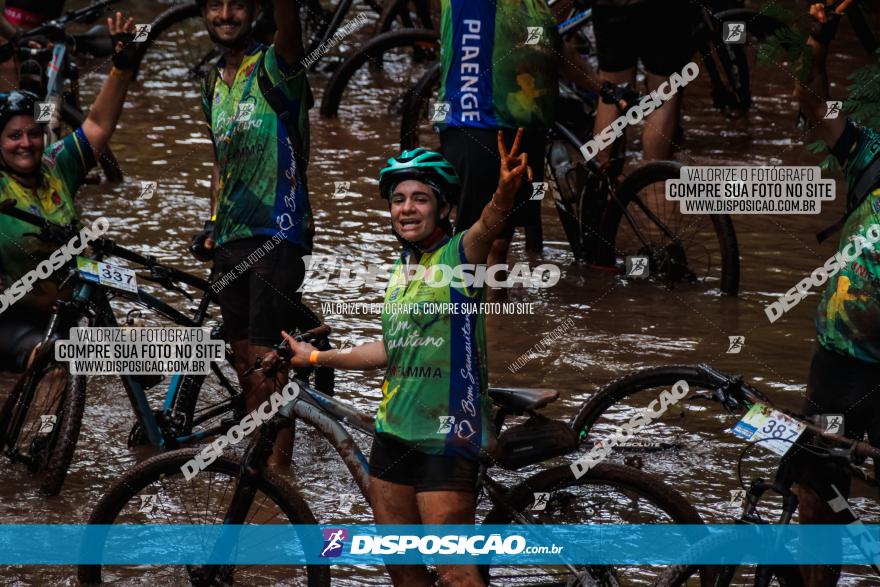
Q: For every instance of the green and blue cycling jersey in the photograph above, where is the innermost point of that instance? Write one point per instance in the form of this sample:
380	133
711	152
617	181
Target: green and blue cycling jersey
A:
435	388
848	319
261	189
62	172
500	61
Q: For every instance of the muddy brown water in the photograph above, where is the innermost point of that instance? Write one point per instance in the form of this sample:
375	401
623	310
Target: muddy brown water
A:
619	326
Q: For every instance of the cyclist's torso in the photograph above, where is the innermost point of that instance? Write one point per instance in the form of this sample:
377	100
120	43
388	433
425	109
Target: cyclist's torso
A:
64	168
848	319
261	189
28	14
500	63
434	392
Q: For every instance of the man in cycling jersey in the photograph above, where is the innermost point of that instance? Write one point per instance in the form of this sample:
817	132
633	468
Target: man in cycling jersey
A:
44	181
658	33
845	370
433	420
501	64
259	196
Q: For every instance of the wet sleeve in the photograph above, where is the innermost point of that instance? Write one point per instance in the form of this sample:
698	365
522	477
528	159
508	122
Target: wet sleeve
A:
70	159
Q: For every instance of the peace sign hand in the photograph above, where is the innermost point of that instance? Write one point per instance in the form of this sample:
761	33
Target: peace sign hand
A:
514	167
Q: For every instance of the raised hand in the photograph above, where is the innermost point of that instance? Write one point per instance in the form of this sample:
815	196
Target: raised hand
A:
126	54
514	168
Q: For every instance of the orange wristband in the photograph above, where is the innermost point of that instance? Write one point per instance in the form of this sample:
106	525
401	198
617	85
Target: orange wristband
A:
313	358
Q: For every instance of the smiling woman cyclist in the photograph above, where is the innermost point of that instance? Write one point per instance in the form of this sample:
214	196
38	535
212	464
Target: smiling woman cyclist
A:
434	416
44	180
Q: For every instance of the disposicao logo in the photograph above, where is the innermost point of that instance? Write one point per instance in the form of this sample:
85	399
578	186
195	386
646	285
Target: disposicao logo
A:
334	541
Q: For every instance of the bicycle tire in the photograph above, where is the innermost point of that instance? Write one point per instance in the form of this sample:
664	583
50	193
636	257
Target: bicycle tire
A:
166	20
61	443
398	10
628	190
591	410
520	497
414	106
167	465
74	119
371	52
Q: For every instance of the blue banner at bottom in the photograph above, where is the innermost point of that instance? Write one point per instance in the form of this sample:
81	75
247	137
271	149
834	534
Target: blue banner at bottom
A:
127	544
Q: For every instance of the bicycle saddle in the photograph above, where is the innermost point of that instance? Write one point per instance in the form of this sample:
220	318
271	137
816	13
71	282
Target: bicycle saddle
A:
520	399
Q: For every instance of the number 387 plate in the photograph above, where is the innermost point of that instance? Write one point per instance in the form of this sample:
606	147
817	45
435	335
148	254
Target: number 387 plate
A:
107	274
775	431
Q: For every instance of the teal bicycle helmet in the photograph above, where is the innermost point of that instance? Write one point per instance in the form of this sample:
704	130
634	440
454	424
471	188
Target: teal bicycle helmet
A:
425	166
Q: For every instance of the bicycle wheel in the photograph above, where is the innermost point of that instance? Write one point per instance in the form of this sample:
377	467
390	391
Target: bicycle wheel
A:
41	418
397	60
575	195
423	14
684	424
730	65
725	575
204	405
155	492
681	248
607	494
415	127
74	119
178	46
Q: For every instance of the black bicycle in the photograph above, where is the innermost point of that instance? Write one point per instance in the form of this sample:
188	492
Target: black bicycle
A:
806	446
242	490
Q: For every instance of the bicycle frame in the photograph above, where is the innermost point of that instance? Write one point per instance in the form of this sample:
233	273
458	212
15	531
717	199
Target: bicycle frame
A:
610	197
88	297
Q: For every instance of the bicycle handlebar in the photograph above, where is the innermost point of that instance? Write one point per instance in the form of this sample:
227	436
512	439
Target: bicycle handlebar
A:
738	390
54	30
61	234
283	351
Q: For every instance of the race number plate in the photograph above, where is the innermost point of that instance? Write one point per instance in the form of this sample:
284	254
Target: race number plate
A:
107	274
776	431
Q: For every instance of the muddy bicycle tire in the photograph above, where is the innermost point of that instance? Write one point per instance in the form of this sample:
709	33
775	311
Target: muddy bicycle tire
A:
371	53
414	105
61	443
167	465
627	192
664	497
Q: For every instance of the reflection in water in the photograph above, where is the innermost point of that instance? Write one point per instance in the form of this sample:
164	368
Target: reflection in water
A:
618	326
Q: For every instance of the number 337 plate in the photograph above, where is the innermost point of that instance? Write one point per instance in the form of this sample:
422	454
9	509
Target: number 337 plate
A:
107	274
775	431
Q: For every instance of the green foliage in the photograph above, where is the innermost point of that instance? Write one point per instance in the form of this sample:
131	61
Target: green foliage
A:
863	91
829	162
787	45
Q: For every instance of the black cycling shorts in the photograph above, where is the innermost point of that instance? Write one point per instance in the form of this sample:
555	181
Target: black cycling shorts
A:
258	298
840	385
20	332
474	154
656	31
395	461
